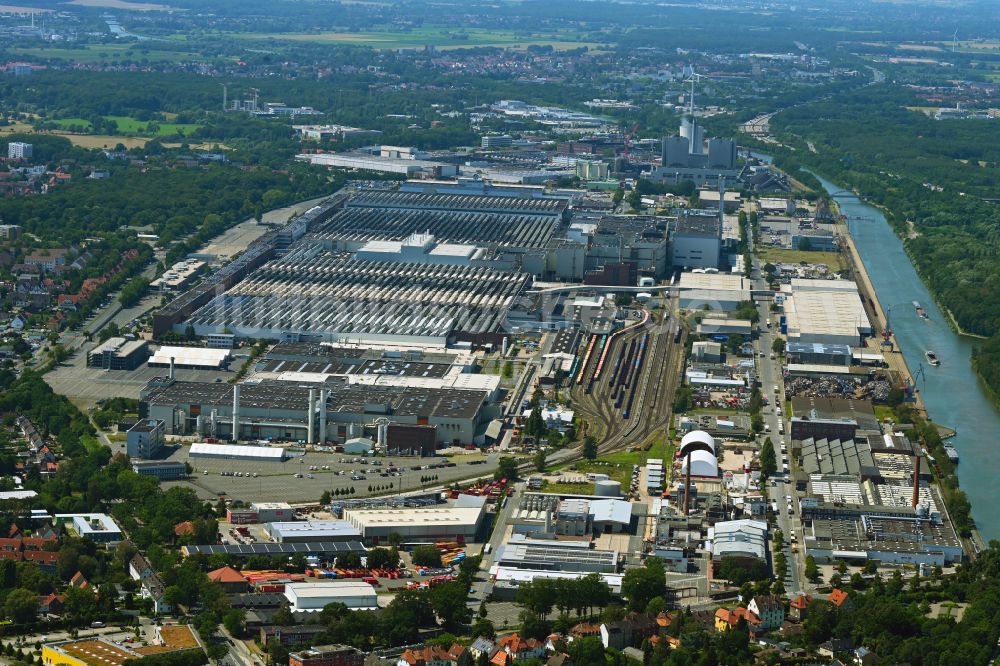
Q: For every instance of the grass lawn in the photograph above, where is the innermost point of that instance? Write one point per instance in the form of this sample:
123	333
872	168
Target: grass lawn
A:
567	488
132	127
91	443
883	412
775	256
441	38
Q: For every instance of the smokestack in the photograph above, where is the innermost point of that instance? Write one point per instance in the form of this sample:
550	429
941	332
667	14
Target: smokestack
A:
382	437
171	368
236	412
916	481
311	417
323	393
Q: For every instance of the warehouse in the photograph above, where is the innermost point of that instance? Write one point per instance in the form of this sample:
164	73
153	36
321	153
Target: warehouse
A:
425	524
380	164
722	326
825	311
818	354
540	555
118	354
198	358
165	470
234	452
312	531
351	228
326	549
718	291
746	539
697	241
272	512
281	410
314	597
512	205
322	296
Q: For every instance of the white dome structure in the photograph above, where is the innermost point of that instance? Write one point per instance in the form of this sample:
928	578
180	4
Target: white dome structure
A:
697	440
703	463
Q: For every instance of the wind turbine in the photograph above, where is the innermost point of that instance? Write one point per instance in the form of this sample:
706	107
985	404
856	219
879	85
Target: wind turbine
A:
695	77
954	41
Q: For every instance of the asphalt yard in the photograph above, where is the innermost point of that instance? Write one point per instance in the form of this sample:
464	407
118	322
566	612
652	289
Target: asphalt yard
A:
277	481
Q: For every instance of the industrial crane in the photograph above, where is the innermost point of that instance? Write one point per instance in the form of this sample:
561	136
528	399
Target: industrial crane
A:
628	139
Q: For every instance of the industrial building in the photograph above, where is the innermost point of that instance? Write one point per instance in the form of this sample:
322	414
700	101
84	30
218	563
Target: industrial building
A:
327	655
722	326
548	555
321	296
334	411
197	358
831	418
745	539
824	311
145	438
328	549
818	354
165	470
890	540
118	354
271	512
314	597
311	531
234	452
409	167
696	241
720	291
179	276
689	157
425	524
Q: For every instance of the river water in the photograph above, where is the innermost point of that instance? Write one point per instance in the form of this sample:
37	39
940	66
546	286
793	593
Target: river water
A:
951	391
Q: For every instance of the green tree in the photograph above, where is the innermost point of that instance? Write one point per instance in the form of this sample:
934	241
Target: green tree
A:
21	606
642	584
778	346
812	571
506	469
590	447
426	556
768	459
539	460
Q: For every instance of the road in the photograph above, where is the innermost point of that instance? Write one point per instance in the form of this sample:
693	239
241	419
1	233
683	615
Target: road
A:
772	386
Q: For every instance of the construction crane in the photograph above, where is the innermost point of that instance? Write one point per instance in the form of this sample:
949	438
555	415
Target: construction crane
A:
628	140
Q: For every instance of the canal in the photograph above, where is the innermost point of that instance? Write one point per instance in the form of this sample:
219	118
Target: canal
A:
951	391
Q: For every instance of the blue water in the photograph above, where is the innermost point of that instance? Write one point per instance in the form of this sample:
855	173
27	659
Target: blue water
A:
951	391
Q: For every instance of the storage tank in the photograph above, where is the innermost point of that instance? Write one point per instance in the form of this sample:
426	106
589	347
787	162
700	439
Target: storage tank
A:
608	488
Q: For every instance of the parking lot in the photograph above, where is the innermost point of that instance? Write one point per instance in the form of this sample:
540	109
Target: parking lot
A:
85	386
293	480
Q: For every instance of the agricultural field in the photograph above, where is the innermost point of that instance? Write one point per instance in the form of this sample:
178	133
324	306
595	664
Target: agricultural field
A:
123	4
440	38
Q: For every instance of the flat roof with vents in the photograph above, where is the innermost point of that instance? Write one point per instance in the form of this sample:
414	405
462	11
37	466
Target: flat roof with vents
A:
250	549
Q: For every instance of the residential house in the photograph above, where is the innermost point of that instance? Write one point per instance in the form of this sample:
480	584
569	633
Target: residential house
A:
231	580
482	646
583	630
185	528
769	609
629	632
799	607
139	568
865	657
79	581
51	604
47	260
727	619
840	599
434	656
835	646
521	648
290	635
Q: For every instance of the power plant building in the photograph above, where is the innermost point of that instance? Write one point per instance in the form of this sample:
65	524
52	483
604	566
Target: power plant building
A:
282	410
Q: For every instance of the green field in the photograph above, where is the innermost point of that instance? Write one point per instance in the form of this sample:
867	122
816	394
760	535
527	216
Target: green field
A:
441	38
777	256
132	127
105	52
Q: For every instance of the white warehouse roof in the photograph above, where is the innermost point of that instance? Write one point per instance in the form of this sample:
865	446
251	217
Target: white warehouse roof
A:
313	530
611	511
235	451
703	463
201	357
312	597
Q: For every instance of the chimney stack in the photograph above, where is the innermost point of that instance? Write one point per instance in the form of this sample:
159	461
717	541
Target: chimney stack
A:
171	368
916	481
236	413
